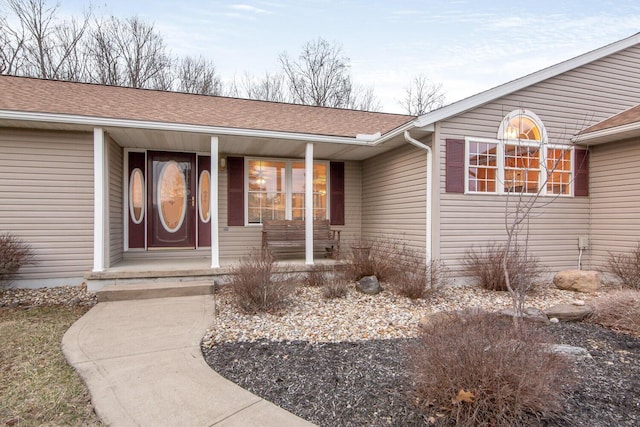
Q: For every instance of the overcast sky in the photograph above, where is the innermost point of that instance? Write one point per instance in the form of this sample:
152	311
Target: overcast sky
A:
468	46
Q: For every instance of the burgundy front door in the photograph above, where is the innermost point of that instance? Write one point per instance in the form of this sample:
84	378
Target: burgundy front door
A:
172	199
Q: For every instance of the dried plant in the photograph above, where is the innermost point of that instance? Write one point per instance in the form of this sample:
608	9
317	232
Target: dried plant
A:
416	279
486	266
337	288
256	287
618	310
626	267
316	276
476	369
14	254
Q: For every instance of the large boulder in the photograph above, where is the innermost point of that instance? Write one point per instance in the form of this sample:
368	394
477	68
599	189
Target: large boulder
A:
369	285
577	280
569	312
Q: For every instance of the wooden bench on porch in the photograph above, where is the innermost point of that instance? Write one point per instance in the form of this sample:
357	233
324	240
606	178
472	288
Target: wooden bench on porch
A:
287	237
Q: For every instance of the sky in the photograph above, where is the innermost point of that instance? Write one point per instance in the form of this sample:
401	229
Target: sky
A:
468	46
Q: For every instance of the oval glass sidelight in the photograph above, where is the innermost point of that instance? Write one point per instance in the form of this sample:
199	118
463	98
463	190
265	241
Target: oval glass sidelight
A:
204	196
172	197
136	196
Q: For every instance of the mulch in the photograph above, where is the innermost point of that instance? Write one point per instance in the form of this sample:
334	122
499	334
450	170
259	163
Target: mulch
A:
364	383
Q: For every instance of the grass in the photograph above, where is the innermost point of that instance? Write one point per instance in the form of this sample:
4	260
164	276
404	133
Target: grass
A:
38	387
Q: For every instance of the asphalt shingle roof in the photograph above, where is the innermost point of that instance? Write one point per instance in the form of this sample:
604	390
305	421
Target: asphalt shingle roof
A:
93	100
626	117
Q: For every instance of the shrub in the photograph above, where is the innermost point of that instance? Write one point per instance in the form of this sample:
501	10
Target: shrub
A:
477	369
485	265
337	288
626	267
415	279
315	277
14	254
618	310
255	286
373	258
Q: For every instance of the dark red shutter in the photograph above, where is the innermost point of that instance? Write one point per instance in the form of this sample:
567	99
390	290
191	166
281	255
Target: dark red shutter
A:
454	165
336	200
581	161
235	187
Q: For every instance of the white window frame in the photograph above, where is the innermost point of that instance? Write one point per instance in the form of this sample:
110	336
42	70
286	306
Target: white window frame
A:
288	186
501	165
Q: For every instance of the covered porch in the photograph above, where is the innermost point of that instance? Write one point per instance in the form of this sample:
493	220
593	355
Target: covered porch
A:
214	233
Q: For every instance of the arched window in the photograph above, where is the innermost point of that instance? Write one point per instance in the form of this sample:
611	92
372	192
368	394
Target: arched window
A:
522	124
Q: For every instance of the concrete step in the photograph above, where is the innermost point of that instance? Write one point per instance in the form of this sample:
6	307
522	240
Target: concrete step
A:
129	291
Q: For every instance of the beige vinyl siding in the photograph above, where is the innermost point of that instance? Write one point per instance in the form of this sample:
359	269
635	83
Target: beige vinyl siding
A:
236	242
46	198
566	104
116	229
615	200
394	196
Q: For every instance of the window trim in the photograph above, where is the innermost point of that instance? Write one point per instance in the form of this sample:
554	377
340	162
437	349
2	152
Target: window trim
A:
288	214
501	165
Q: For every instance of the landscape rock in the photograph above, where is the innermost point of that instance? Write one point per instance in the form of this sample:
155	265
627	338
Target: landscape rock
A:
530	313
569	312
573	352
369	285
577	281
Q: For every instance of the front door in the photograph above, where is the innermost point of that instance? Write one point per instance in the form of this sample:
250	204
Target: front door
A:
172	200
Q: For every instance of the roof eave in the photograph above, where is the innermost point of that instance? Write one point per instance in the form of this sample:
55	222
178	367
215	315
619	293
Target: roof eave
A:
481	98
181	127
617	133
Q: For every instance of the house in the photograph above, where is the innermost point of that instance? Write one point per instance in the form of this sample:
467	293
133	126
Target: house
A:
101	179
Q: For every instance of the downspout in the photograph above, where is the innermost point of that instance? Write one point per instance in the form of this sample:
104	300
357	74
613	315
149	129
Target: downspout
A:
415	142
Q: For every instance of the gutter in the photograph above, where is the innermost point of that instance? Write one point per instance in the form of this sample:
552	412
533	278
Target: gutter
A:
415	142
360	139
606	135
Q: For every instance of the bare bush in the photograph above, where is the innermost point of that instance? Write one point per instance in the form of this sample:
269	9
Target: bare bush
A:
618	310
316	276
377	257
486	266
477	369
415	279
256	287
14	254
626	267
337	288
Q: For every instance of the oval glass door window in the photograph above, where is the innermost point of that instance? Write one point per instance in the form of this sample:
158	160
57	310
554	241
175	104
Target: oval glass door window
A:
136	196
172	191
204	198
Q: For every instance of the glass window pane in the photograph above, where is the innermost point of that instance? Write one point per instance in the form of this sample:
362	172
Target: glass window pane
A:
483	163
136	196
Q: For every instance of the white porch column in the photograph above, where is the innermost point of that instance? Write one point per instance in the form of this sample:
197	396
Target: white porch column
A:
99	200
215	246
308	203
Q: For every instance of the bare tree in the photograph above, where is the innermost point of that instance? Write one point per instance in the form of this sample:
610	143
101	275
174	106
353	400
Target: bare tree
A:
11	45
271	87
131	53
197	75
320	75
362	98
50	48
422	95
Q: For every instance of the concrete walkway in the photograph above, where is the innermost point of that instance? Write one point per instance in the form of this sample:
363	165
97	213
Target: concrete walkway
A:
142	363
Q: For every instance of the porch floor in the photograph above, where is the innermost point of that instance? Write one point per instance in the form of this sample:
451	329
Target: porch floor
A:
181	270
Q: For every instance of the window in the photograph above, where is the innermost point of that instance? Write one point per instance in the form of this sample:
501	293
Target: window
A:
276	190
519	160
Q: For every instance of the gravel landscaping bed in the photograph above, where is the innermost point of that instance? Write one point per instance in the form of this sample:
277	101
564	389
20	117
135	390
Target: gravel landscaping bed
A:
59	295
340	362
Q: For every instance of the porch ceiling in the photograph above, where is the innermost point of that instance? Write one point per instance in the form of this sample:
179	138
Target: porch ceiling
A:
228	145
